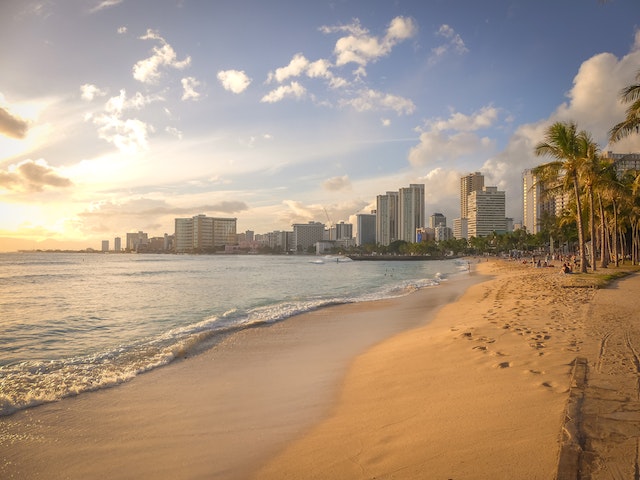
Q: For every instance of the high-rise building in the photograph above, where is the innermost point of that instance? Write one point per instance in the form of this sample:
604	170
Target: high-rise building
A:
365	229
410	211
117	244
105	245
486	210
306	235
536	202
387	218
204	233
461	228
624	162
136	241
342	231
474	182
437	220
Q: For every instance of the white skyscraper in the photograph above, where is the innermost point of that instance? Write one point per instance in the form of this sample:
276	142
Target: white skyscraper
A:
387	218
486	210
410	211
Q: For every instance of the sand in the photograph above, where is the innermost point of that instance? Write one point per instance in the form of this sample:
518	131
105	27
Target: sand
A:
483	387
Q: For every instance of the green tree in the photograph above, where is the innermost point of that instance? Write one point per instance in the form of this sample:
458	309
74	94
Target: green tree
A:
563	143
631	124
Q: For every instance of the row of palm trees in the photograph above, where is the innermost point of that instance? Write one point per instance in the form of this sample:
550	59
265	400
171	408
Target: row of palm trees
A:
579	169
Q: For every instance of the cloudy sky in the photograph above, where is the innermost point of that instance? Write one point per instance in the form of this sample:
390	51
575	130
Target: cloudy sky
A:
121	115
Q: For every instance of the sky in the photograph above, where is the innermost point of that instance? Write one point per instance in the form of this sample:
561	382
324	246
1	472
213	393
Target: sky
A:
122	115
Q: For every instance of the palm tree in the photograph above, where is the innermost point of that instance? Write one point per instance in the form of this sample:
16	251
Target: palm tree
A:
590	173
631	124
562	142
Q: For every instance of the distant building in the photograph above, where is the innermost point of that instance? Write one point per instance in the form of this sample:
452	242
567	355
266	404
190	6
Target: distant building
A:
425	234
486	210
437	220
461	228
442	233
306	234
202	233
365	229
105	245
342	231
410	211
387	218
624	162
474	182
536	202
136	241
117	244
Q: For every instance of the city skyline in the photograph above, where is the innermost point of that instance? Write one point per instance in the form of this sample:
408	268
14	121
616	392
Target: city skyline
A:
118	116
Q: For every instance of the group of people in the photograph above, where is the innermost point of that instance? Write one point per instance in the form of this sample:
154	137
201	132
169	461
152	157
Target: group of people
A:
567	266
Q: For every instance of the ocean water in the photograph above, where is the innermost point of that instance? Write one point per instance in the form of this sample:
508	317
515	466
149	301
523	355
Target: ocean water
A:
75	322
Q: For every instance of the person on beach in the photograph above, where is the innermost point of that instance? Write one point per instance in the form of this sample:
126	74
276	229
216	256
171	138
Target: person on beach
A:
566	269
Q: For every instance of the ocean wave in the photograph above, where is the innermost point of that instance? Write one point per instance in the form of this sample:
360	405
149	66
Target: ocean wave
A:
31	383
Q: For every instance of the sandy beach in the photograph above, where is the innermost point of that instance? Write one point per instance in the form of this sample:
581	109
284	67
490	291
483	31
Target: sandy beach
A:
473	379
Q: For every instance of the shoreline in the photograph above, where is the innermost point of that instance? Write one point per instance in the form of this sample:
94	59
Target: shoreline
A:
220	413
483	390
473	379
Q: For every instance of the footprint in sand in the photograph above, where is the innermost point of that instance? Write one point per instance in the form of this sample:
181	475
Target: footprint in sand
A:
504	365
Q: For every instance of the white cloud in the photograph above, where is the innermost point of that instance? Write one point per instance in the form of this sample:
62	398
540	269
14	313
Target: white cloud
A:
148	69
293	90
122	30
437	146
189	85
235	81
296	67
592	103
452	138
88	92
299	65
368	100
106	4
484	118
337	183
174	131
116	105
454	43
129	135
361	48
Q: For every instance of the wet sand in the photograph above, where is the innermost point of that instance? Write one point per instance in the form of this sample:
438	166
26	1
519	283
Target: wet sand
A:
483	387
483	391
217	415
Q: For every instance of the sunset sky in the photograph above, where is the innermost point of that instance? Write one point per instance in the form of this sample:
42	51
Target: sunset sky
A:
121	115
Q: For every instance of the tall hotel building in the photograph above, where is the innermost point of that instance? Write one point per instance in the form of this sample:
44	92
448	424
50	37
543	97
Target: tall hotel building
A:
399	214
473	182
365	229
306	235
204	233
387	218
482	209
411	211
486	210
536	202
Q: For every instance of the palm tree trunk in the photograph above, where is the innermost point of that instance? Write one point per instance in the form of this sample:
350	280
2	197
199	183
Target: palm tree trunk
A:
581	245
615	234
604	259
592	228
